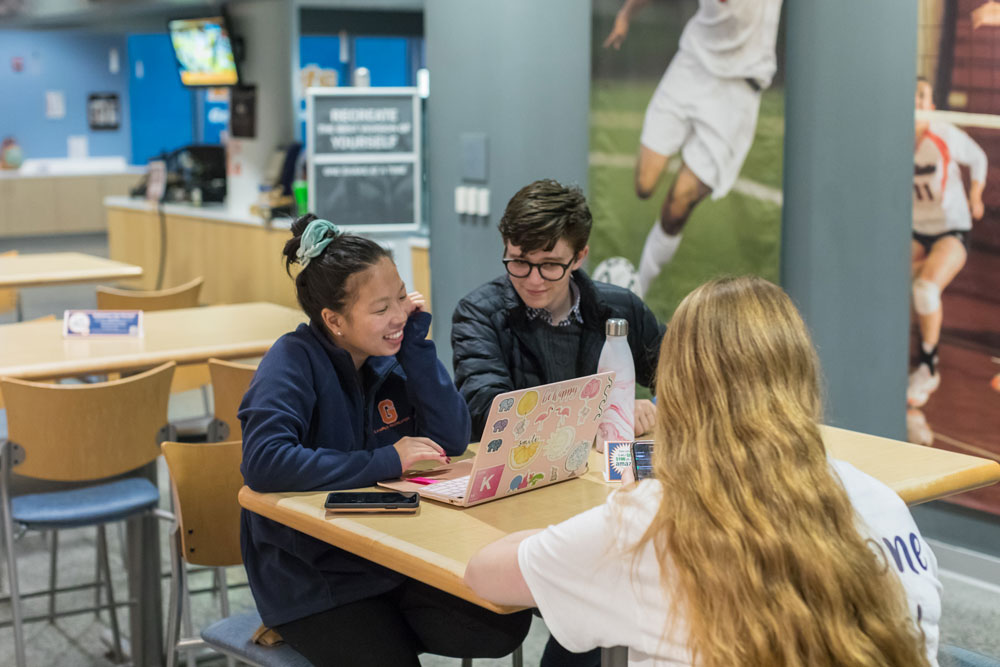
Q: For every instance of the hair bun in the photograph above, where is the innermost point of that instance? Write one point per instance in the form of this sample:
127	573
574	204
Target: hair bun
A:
291	248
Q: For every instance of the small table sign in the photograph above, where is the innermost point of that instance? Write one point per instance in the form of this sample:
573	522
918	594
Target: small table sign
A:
85	323
617	458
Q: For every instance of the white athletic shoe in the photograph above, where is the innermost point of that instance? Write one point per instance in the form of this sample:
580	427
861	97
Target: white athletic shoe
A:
917	430
922	385
617	271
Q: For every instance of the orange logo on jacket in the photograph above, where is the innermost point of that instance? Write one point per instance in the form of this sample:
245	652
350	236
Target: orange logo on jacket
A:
387	411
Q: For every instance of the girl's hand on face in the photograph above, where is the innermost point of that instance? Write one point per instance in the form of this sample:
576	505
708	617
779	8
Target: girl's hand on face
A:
411	450
415	303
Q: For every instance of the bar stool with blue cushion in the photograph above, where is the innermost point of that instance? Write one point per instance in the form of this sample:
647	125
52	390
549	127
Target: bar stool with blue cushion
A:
87	434
233	636
954	656
205	479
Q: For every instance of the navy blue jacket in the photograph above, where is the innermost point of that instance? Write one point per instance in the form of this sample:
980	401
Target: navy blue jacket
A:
312	422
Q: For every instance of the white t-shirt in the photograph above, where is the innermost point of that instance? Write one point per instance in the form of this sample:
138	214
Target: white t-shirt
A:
939	202
592	591
735	38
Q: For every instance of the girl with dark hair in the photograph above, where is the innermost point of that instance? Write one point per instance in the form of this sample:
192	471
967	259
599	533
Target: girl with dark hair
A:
355	396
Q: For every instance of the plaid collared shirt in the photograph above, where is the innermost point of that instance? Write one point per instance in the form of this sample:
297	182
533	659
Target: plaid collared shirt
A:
572	317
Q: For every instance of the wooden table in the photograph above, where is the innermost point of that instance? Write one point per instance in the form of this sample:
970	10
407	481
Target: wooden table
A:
37	350
918	474
60	268
435	546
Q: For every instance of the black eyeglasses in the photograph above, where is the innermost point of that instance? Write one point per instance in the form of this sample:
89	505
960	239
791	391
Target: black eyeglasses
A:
520	268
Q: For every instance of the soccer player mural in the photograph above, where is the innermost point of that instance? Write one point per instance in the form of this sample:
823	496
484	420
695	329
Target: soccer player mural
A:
685	178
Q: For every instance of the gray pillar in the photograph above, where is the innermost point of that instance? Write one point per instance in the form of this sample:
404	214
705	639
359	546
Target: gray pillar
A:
270	33
518	71
845	255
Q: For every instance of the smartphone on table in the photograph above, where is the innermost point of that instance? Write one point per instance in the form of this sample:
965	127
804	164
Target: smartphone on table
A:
642	459
372	501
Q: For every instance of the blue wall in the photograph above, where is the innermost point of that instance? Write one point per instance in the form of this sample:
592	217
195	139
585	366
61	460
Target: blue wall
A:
324	52
392	61
162	109
387	59
77	65
157	113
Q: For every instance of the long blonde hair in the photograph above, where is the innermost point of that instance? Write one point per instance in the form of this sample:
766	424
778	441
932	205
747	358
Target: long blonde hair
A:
756	540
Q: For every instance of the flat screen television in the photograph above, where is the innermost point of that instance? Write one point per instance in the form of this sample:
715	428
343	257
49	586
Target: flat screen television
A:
204	50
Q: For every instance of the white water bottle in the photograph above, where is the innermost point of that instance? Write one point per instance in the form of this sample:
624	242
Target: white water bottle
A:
618	419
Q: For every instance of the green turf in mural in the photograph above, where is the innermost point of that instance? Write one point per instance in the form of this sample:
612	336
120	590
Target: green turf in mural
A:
738	234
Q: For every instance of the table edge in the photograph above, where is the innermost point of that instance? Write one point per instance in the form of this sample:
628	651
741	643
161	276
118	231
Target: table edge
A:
382	552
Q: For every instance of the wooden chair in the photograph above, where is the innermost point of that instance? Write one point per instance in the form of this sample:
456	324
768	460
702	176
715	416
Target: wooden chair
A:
182	296
205	479
230	380
10	299
81	433
187	377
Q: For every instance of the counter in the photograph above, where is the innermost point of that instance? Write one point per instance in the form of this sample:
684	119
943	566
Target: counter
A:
238	254
45	203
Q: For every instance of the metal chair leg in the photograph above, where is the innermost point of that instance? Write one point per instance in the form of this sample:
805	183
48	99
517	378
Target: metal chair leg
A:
186	613
466	662
174	605
8	538
98	577
220	579
3	546
102	540
122	542
517	657
53	574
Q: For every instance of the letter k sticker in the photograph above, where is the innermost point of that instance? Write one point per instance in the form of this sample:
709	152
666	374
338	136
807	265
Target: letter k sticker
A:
486	482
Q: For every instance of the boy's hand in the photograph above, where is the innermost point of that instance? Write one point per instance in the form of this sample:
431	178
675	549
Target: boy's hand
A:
645	417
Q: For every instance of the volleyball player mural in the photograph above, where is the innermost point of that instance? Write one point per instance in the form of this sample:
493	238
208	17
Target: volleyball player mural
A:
704	111
942	220
953	393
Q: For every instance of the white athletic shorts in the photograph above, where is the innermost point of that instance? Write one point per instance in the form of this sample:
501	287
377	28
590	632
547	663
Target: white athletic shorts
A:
711	121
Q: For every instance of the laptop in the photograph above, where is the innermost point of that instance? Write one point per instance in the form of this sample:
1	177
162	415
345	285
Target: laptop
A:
532	438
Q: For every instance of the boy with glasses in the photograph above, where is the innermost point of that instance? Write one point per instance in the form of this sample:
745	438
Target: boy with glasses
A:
543	321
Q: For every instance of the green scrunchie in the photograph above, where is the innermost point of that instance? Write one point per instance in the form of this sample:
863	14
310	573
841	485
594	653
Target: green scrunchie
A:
314	240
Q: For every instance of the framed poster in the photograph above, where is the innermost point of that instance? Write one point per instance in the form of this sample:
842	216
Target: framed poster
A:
103	111
364	149
243	112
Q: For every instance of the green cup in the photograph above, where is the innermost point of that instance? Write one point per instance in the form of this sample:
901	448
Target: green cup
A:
300	189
